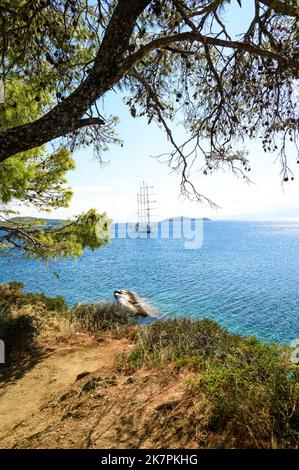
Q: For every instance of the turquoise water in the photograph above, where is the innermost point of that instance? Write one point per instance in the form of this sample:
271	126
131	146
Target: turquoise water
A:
246	276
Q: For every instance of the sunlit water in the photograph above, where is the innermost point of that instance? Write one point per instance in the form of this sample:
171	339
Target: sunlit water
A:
246	276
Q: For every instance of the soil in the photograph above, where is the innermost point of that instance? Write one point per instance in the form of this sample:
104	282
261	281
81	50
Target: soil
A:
74	397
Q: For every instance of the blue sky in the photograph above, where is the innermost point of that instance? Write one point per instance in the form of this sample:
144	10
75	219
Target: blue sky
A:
113	188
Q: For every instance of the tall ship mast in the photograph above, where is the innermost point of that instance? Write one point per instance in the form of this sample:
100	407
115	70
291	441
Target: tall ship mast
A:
144	208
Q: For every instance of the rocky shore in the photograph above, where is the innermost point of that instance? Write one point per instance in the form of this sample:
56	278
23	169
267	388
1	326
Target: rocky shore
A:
132	301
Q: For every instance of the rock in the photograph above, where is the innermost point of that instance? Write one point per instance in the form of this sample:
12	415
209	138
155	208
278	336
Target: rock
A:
81	375
136	304
108	383
90	385
74	414
169	405
67	395
98	382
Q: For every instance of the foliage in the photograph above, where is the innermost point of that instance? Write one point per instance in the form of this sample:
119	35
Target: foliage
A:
103	316
17	334
25	315
21	318
12	297
173	58
37	178
252	387
17	331
47	241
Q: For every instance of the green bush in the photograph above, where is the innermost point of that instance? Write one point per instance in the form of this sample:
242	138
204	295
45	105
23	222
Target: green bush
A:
176	340
256	404
17	326
11	296
17	332
102	316
252	387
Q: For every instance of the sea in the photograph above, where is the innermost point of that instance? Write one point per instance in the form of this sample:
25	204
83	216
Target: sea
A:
244	275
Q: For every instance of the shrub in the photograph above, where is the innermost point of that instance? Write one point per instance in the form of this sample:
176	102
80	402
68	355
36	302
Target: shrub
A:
260	406
176	340
22	315
11	296
102	316
252	387
17	333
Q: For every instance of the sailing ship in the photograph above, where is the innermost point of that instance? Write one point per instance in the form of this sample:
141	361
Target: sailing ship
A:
144	208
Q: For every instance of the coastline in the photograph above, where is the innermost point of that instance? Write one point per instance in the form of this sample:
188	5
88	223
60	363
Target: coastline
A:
172	383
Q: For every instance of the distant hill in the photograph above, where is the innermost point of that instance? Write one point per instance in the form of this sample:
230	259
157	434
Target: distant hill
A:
43	220
53	222
181	217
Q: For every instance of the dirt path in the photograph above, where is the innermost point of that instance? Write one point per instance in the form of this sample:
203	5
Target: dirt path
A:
20	399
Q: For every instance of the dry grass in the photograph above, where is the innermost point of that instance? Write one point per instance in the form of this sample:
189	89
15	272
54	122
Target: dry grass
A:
98	318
